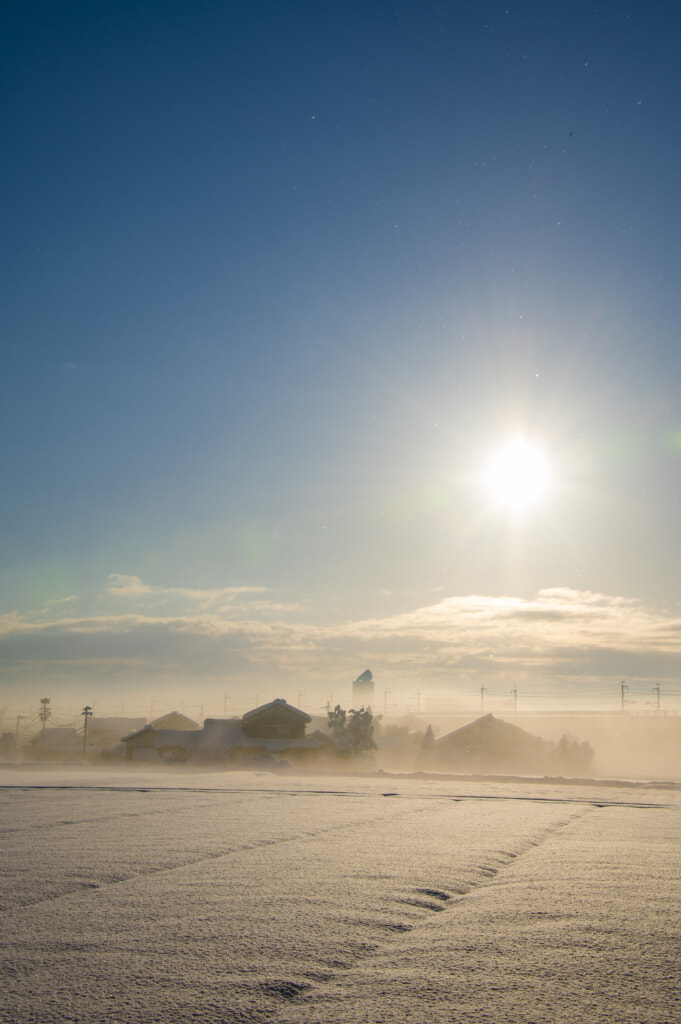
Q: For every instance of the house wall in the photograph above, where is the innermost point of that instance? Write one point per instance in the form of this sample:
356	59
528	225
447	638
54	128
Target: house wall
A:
275	724
135	747
141	754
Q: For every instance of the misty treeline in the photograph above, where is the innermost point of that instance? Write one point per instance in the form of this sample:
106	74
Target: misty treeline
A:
571	752
485	744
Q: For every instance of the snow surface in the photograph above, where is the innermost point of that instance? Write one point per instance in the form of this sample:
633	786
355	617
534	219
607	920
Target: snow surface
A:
245	897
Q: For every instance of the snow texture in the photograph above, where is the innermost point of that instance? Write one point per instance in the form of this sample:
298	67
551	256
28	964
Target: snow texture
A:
250	897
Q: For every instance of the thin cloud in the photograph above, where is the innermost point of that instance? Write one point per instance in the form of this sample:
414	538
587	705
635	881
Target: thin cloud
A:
120	585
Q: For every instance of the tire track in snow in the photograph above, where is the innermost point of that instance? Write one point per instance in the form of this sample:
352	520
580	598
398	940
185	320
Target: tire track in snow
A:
82	888
310	985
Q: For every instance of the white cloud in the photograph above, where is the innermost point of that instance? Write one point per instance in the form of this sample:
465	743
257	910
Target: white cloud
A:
126	586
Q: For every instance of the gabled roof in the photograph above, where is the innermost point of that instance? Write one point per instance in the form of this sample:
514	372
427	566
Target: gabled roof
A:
278	704
488	735
174	720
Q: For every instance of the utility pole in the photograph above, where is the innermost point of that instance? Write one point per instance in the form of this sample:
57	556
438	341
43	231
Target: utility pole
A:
418	702
43	715
225	698
514	694
386	694
483	691
86	713
624	687
656	691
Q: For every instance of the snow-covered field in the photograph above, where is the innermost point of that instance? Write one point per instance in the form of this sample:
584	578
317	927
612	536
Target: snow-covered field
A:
246	897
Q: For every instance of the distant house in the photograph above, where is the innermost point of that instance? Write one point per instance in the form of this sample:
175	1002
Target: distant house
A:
276	729
488	744
141	744
151	742
57	742
61	743
276	720
103	734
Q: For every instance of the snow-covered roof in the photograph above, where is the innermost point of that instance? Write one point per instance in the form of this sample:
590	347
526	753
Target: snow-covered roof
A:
174	720
279	703
487	734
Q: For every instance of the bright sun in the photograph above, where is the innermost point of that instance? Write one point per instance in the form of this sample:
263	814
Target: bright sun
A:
517	476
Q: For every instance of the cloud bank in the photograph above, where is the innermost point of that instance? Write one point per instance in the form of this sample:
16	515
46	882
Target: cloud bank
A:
241	635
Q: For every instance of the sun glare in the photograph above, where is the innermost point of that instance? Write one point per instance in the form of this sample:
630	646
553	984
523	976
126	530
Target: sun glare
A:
517	476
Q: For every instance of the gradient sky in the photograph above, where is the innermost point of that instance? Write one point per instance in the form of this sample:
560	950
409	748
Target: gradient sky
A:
277	277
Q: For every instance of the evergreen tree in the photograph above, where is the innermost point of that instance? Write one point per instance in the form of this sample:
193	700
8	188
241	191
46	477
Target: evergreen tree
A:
352	731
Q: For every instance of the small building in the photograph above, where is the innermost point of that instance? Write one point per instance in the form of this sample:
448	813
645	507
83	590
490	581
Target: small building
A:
153	740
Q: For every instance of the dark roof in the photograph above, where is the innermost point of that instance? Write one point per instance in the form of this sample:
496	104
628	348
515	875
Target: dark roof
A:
138	732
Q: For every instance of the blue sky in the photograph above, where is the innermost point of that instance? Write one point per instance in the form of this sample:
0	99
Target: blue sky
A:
276	277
